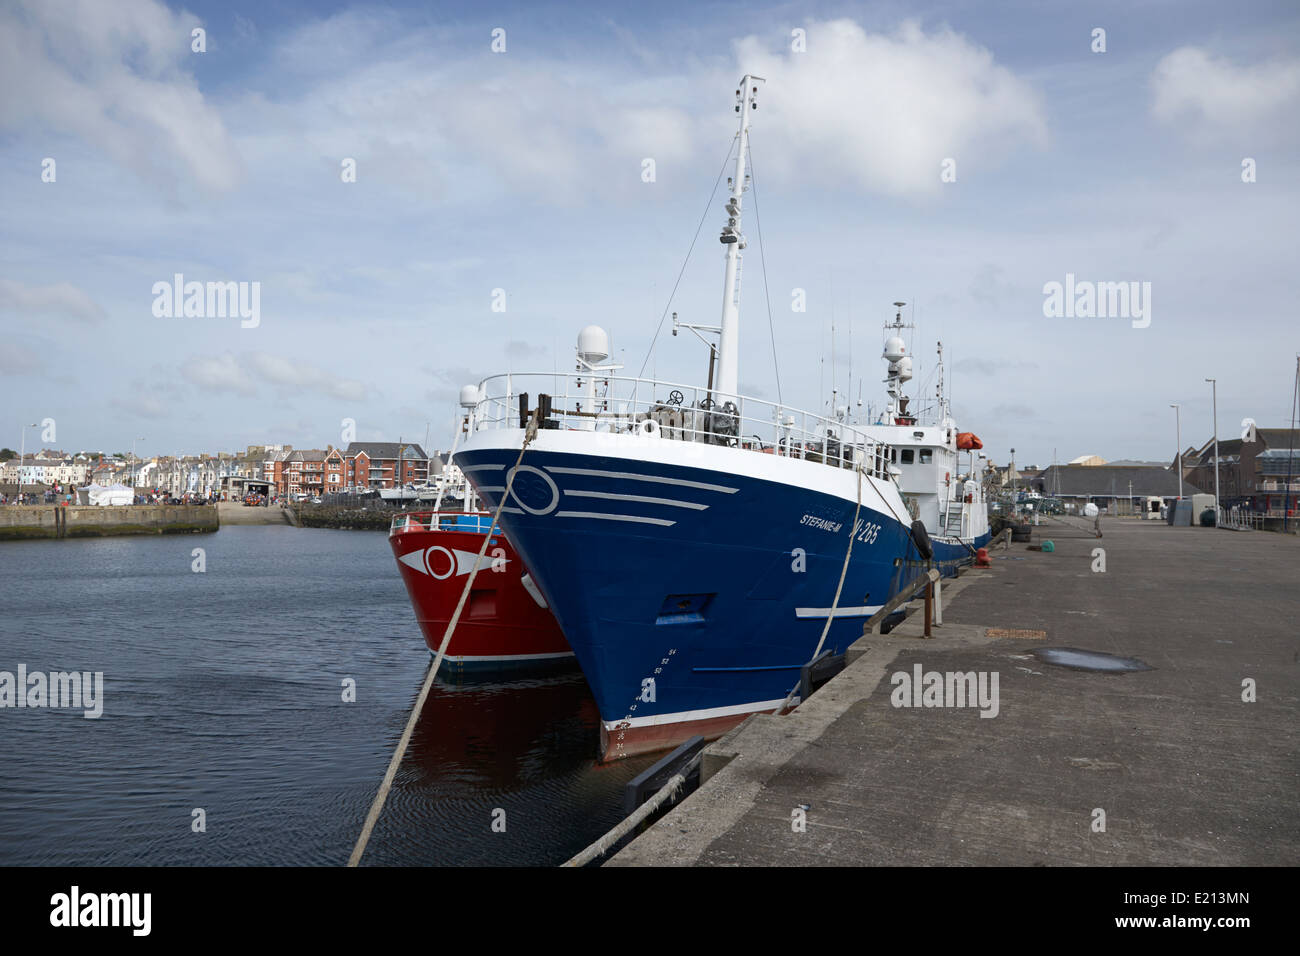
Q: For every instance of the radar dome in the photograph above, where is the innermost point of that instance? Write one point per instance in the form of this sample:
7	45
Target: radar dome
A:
469	396
894	348
593	345
905	368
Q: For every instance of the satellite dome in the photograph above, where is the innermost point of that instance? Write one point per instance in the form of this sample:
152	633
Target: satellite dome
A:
904	368
469	396
593	345
894	348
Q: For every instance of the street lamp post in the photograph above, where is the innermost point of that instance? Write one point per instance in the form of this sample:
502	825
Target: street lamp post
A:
22	452
1214	386
1013	483
1178	433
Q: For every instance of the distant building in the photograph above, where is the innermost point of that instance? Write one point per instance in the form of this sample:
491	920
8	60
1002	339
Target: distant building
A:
1090	461
380	464
303	472
1252	474
1114	487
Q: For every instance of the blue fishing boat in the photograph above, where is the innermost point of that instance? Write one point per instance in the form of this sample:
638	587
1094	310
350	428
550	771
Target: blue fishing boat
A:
698	546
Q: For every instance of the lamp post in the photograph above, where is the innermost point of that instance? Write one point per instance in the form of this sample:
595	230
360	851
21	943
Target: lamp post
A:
1214	387
1178	437
1013	482
22	452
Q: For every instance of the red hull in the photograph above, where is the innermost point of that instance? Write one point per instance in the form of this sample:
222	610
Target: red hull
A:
619	742
503	624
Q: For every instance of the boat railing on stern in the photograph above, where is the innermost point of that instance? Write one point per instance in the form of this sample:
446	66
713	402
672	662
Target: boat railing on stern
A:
472	521
577	401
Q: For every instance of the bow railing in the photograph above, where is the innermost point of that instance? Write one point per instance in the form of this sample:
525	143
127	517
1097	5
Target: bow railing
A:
675	412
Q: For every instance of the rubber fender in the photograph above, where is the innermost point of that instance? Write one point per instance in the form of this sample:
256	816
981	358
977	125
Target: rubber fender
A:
922	539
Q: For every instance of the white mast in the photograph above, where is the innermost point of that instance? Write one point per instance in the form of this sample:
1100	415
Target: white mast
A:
729	338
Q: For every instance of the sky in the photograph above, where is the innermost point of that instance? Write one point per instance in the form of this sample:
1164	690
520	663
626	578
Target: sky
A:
958	157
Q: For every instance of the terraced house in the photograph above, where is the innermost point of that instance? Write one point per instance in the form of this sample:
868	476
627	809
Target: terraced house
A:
375	464
303	472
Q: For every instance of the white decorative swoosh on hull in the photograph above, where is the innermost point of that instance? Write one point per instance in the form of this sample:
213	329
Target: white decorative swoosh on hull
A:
456	561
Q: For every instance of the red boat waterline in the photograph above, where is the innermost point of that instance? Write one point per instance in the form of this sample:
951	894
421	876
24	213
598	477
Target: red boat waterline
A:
504	623
619	740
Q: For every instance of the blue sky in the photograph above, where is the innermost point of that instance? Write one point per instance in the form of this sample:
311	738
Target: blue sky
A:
522	171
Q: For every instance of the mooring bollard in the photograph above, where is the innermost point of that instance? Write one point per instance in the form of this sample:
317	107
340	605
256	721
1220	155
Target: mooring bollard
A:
929	608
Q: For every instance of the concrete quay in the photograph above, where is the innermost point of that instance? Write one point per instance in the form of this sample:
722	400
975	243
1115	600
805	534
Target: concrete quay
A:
1185	771
236	512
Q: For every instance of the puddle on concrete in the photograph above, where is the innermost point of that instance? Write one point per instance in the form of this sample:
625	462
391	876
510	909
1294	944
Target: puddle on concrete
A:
1076	659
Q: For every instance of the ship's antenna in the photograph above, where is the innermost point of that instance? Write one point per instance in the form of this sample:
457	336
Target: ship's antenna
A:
834	392
848	389
899	368
734	241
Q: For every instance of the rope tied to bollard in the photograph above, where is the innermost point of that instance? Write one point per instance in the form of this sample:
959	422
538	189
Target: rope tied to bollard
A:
377	806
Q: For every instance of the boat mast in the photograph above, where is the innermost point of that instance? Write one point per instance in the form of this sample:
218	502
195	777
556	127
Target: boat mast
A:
729	337
899	370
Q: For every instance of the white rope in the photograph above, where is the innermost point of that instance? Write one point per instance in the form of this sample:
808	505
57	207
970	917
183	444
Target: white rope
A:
378	805
601	846
844	569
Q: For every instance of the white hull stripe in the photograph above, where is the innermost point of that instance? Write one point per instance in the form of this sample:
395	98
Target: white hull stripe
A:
862	610
632	476
705	714
482	468
644	499
483	488
596	514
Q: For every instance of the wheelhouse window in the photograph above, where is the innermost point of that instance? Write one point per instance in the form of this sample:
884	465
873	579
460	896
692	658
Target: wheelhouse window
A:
927	456
908	454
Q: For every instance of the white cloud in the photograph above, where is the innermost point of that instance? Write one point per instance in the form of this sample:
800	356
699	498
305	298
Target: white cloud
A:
113	74
423	114
218	373
144	406
292	374
243	373
1213	93
883	111
61	299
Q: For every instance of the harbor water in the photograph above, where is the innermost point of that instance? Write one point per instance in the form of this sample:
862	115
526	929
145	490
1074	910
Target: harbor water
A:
224	703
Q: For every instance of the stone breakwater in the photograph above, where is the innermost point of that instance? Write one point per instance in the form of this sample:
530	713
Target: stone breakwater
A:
348	519
18	522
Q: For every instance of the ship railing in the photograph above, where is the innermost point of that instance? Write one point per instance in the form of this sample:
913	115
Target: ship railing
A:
473	521
675	412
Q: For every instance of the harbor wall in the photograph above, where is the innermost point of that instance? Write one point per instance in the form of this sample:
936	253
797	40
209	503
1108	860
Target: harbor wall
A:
349	519
80	521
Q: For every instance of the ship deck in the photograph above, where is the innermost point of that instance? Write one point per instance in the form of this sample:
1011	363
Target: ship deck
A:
1185	771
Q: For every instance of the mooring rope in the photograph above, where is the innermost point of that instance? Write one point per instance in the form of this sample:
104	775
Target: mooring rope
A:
378	805
667	791
844	570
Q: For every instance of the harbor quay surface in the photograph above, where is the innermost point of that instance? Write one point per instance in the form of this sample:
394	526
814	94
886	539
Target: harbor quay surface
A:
1190	762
